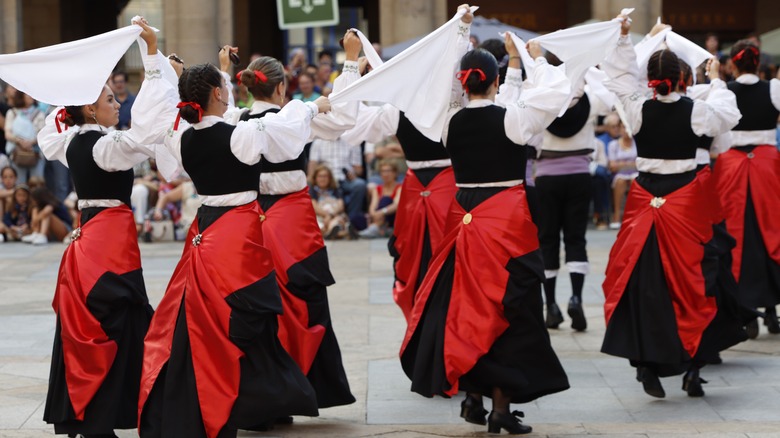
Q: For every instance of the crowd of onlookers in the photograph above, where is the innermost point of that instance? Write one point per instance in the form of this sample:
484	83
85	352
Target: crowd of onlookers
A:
354	188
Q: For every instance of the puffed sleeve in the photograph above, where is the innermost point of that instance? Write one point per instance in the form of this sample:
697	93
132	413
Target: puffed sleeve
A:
374	123
52	142
343	115
718	113
624	80
458	98
278	137
542	96
151	116
774	92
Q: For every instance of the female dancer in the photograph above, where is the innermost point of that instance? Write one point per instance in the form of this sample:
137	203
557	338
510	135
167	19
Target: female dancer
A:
656	307
748	182
212	359
291	233
101	304
477	322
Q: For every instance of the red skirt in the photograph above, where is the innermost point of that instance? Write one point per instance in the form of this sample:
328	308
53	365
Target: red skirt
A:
736	173
483	243
94	372
223	285
683	223
421	209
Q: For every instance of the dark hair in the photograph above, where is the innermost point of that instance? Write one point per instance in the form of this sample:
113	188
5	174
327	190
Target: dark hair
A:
18	100
273	71
323	168
497	48
12	170
119	73
14	211
750	58
75	115
687	74
664	64
711	35
195	85
483	60
324	53
308	75
43	197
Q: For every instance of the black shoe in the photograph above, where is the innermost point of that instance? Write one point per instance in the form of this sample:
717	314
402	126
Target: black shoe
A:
577	315
509	422
692	384
554	316
717	360
472	411
284	420
752	329
771	322
650	382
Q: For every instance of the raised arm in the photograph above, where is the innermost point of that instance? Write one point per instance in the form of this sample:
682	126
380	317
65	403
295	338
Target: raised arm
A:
374	124
278	137
624	77
540	100
718	112
457	96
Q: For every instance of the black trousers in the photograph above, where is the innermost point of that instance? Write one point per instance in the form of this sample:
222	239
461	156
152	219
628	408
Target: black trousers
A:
565	200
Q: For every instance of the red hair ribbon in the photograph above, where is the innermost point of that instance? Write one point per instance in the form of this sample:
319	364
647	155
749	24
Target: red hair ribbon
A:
194	106
656	82
463	75
62	114
260	76
741	53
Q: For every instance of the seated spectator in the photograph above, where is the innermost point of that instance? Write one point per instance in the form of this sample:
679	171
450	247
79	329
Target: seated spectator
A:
601	179
610	128
188	203
8	175
35	182
621	154
306	91
384	202
17	217
123	96
50	220
388	149
328	203
346	165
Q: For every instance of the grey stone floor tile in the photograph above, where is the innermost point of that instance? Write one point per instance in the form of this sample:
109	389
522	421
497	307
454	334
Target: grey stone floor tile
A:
380	290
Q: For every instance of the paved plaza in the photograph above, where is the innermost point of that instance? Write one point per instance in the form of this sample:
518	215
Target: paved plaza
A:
743	394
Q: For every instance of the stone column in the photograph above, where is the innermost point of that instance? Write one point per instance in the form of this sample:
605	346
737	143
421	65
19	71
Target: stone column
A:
405	19
10	29
196	29
644	16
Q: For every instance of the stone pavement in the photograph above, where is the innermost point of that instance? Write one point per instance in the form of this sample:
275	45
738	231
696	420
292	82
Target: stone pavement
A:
743	394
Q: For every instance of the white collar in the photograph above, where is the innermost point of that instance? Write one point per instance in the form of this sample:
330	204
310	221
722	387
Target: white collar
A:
671	97
747	79
479	103
94	127
260	106
208	122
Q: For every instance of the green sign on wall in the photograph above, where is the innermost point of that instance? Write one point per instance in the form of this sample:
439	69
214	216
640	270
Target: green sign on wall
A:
307	13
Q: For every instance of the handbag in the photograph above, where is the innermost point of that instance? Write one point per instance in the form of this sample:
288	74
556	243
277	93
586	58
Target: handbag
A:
24	158
162	231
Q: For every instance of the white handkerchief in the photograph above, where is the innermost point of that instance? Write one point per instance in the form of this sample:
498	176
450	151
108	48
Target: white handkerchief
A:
72	73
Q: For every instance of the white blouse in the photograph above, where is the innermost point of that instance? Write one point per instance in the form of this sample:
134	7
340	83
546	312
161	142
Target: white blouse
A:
277	137
585	138
117	150
325	126
711	117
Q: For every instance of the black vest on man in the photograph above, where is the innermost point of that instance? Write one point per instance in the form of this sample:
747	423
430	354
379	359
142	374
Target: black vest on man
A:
416	146
209	161
285	166
90	181
480	149
666	131
755	103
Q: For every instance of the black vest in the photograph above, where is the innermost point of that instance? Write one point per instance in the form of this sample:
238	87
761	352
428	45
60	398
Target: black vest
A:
209	161
480	149
755	103
416	146
285	166
90	181
705	142
573	120
666	131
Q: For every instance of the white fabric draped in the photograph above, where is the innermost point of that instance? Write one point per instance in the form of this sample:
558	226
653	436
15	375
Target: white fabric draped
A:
690	52
70	73
418	81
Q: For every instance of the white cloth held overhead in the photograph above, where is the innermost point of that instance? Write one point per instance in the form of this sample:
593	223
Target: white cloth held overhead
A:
423	98
371	55
72	73
691	53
